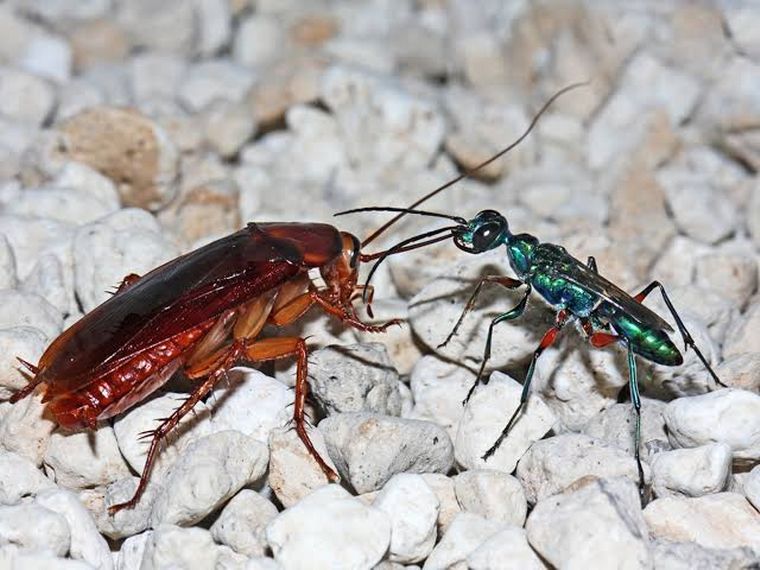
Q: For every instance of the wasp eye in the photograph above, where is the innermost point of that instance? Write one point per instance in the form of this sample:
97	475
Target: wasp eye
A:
485	236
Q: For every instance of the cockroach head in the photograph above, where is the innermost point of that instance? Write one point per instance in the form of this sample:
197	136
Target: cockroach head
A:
486	231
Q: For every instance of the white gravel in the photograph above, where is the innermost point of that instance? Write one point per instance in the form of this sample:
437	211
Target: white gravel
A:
133	131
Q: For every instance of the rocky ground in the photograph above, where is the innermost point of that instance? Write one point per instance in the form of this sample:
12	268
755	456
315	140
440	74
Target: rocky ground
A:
132	131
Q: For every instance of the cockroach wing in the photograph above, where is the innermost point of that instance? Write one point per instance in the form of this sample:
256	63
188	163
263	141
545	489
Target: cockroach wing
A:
170	299
579	273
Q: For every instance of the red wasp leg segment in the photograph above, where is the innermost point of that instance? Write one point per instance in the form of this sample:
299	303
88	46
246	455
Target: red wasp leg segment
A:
688	340
507	282
549	337
276	348
601	339
231	354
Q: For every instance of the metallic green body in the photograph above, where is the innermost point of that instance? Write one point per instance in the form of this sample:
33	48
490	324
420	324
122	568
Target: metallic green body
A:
567	283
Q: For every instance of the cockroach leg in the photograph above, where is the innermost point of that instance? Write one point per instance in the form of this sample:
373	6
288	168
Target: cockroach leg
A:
348	316
277	348
160	433
33	383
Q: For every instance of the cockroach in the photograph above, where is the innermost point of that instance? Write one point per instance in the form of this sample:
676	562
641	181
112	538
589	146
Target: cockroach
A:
201	313
607	315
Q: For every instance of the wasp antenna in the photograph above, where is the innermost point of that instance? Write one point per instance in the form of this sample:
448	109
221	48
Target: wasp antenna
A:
467	173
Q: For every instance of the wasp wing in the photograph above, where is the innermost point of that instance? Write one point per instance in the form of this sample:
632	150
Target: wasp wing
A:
581	275
170	299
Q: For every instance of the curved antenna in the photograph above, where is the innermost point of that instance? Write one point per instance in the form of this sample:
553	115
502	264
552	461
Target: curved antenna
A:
404	245
457	219
467	173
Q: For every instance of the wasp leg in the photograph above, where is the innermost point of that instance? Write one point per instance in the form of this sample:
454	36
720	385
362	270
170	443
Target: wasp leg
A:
512	314
633	387
600	339
687	338
507	282
548	339
591	264
274	349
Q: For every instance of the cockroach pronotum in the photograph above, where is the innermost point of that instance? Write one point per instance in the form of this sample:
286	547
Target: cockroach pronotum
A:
607	314
200	313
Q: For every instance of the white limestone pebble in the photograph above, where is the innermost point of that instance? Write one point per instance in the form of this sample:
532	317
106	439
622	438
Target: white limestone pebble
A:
434	310
398	340
552	464
34	527
170	546
449	508
382	124
23	342
228	126
293	472
355	378
52	281
329	529
31	237
494	495
412	507
487	414
24	429
131	553
19	308
14	557
84	459
213	80
369	449
616	426
253	403
242	523
105	251
721	520
86	543
687	555
19	477
742	334
576	380
741	371
604	515
465	534
752	487
126	522
146	416
209	471
729	416
439	388
508	549
64	204
24	96
8	278
691	472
